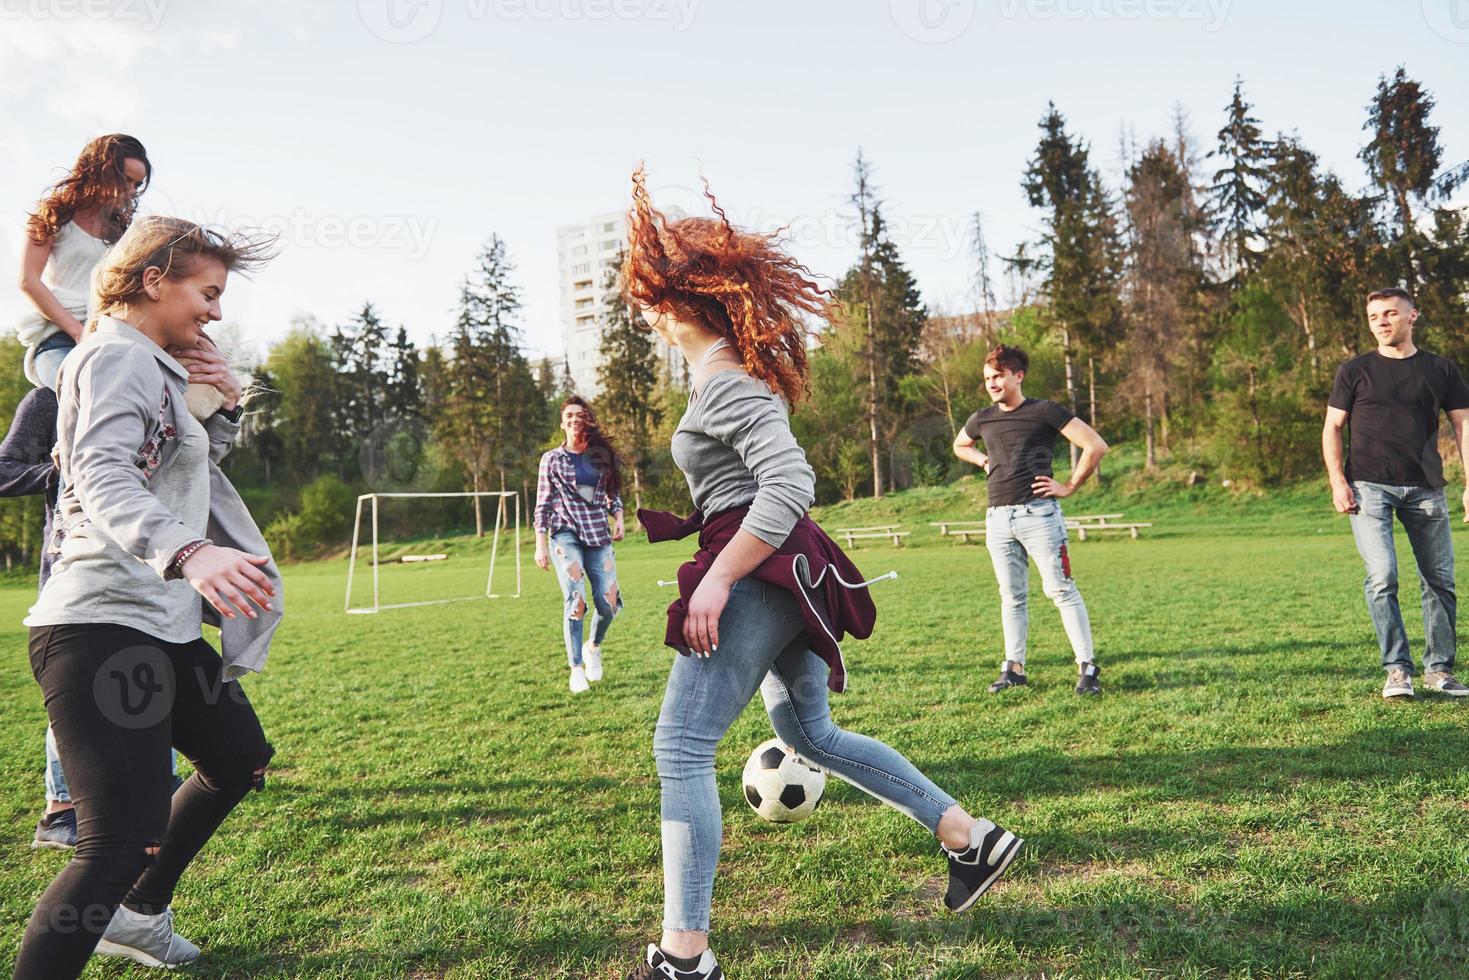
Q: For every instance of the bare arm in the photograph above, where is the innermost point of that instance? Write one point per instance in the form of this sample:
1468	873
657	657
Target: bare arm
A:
967	449
1093	447
32	263
1459	419
1336	471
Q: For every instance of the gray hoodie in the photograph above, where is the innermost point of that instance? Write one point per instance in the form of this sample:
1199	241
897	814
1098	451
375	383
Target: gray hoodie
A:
141	482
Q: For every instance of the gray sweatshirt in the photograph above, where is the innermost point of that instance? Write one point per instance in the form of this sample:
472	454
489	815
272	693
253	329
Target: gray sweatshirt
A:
140	484
734	446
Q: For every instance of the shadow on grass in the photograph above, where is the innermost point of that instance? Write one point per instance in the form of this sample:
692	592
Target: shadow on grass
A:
1228	772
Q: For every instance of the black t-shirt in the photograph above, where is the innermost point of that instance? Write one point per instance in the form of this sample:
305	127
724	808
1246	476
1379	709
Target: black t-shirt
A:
1393	404
1019	443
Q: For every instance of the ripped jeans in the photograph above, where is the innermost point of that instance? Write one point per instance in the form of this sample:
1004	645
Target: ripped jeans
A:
1035	531
117	699
578	566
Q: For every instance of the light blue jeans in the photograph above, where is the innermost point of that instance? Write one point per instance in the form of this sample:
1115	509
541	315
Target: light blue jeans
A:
762	644
1035	530
49	355
56	789
1424	512
577	567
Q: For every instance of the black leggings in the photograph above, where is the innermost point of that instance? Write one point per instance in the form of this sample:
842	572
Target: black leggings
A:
117	699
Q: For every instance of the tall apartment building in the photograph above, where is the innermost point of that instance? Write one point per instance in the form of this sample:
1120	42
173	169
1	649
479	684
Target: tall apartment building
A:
584	254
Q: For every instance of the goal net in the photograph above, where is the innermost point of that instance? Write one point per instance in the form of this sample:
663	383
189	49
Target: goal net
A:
419	572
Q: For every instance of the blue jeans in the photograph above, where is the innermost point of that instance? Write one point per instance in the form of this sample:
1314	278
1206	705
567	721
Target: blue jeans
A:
761	639
49	355
1035	530
1424	512
578	566
56	788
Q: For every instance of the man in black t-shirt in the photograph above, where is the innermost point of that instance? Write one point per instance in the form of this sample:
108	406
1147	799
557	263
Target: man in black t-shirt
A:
1024	517
1390	400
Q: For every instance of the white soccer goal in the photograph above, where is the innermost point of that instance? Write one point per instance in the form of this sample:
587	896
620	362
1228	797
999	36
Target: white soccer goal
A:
506	501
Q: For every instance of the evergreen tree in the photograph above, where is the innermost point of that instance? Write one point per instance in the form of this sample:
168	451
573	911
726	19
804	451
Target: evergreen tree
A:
1079	251
489	411
1402	158
405	394
628	376
1237	197
883	323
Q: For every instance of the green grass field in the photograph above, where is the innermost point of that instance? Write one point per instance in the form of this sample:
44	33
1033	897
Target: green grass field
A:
1241	802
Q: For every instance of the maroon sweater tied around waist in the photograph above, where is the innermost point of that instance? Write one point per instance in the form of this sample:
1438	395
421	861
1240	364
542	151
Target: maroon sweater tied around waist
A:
829	589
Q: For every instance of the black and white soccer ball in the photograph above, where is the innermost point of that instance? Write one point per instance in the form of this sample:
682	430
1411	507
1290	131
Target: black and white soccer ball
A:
779	785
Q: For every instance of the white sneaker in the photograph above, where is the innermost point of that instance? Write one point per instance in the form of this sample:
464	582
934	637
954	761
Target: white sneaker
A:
592	657
1399	684
579	680
146	939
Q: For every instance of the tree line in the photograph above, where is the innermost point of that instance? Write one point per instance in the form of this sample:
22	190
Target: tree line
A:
1197	307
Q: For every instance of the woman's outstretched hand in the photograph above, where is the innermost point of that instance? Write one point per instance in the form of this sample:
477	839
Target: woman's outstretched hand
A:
228	578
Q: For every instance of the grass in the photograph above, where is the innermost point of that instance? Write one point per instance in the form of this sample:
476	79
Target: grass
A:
1241	802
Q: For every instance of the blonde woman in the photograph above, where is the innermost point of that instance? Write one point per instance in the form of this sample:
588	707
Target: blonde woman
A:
152	541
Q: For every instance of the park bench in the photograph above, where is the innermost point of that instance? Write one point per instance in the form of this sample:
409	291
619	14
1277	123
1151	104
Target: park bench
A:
893	532
1103	522
944	526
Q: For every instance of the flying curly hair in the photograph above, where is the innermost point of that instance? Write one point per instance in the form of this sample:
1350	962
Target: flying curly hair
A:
96	181
739	283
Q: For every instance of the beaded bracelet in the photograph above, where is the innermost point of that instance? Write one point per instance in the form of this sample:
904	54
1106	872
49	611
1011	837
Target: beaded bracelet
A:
176	567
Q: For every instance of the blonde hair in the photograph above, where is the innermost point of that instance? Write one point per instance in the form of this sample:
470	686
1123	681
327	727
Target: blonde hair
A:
175	246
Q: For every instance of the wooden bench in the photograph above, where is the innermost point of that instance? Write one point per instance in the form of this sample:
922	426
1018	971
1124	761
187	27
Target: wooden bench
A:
1103	522
944	526
964	534
893	532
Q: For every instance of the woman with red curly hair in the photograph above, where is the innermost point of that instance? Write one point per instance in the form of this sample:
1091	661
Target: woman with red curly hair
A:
768	596
73	225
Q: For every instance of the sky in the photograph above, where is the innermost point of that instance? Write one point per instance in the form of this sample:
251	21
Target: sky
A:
386	140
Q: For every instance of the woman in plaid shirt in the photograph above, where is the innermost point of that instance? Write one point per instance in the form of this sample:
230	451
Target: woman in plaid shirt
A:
576	490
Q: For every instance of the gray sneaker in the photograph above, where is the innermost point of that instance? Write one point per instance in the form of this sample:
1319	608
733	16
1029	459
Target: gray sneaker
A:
1399	684
146	939
1445	683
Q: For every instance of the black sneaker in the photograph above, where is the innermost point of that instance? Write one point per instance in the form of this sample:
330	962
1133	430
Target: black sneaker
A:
971	872
1086	681
56	831
657	967
1008	678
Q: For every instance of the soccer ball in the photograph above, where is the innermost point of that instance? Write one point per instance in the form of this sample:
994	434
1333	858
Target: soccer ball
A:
779	785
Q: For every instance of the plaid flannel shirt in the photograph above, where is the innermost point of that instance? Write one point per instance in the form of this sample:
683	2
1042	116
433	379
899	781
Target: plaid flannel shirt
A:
559	505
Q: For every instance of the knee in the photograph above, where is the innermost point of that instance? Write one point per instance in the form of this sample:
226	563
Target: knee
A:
1062	592
237	776
813	741
676	755
576	605
1382	577
609	601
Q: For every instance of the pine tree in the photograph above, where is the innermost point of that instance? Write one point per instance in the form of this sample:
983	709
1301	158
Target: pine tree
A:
1237	197
1402	158
405	394
488	417
628	376
1080	250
